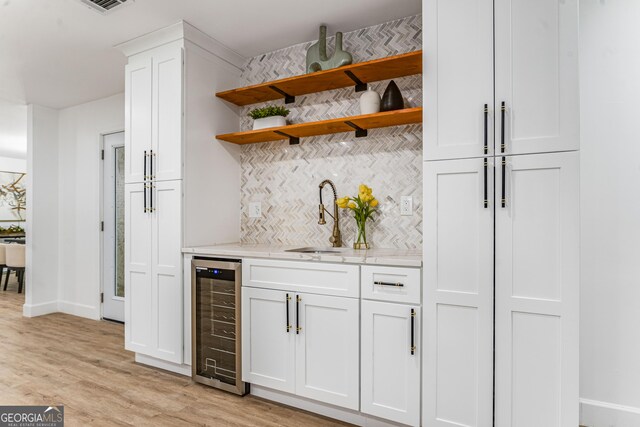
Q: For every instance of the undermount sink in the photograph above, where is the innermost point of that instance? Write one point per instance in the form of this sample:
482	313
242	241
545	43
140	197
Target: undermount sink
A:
313	250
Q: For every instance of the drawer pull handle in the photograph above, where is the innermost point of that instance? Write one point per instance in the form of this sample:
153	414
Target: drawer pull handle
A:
398	284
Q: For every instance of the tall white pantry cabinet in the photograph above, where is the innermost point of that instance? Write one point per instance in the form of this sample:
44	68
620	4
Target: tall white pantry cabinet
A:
172	165
501	215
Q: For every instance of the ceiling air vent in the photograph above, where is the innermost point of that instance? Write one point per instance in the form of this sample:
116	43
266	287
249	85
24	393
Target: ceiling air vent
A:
105	6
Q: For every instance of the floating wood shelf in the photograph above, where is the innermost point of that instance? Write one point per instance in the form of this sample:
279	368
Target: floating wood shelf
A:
359	124
357	75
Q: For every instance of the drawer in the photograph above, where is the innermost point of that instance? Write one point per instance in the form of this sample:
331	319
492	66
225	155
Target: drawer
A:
393	284
295	276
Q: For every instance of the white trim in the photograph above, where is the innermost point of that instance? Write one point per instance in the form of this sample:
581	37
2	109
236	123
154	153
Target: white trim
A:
34	310
181	31
597	413
80	310
613	406
346	415
162	364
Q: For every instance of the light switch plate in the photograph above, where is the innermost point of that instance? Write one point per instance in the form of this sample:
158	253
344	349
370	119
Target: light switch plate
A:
255	210
406	205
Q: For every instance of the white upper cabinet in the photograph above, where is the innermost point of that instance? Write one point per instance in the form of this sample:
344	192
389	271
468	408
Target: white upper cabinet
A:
537	292
138	113
167	113
522	53
458	78
536	70
153	115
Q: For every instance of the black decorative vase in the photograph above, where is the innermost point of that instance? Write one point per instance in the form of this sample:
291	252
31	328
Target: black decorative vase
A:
392	98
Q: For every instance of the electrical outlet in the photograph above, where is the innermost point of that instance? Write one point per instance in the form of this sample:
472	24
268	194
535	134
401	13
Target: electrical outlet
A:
255	210
406	205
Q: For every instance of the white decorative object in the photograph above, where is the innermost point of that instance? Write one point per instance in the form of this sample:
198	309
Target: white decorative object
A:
269	122
369	102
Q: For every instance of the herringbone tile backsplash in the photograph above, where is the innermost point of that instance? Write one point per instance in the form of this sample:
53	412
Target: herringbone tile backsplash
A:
285	178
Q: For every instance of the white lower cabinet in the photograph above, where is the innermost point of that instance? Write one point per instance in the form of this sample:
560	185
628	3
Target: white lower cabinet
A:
303	344
329	345
390	361
327	349
153	269
268	341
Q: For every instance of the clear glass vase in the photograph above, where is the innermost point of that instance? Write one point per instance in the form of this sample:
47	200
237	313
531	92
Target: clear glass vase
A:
361	236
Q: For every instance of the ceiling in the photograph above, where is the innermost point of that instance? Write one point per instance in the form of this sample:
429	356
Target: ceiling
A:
59	53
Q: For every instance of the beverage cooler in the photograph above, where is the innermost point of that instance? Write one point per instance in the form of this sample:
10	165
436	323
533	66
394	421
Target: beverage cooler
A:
216	341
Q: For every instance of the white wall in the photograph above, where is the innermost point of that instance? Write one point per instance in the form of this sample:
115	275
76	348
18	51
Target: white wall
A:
42	212
610	181
80	198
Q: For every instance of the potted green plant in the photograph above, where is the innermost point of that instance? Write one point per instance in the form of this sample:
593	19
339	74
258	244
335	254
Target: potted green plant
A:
269	116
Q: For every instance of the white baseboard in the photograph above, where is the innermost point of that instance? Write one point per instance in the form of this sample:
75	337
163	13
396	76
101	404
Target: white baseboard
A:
80	310
162	364
34	310
594	413
346	415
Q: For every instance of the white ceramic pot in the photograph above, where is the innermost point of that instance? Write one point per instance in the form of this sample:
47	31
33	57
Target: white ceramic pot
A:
369	102
269	122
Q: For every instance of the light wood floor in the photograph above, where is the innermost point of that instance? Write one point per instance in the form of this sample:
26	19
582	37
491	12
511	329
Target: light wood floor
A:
82	364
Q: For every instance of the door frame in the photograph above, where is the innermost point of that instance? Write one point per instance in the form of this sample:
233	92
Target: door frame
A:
103	135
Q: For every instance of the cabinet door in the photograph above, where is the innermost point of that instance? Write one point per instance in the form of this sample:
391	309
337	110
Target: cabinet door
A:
268	338
458	294
391	361
167	113
537	75
458	78
537	301
327	349
166	252
137	113
138	304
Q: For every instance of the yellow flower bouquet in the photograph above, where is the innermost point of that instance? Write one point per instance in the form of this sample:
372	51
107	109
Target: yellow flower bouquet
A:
363	207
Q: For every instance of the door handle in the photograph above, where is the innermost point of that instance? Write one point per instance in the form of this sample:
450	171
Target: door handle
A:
151	175
144	190
486	183
151	187
298	328
413	330
503	109
504	181
287	299
145	165
486	128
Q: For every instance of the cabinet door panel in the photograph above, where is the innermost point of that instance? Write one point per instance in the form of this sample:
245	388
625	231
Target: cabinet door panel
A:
138	100
537	267
327	350
268	345
390	372
458	78
537	74
167	113
458	294
138	277
167	268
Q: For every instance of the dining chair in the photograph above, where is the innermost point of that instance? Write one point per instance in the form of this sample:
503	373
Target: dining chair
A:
15	261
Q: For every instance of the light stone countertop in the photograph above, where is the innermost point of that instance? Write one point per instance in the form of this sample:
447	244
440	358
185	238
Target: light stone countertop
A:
375	256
